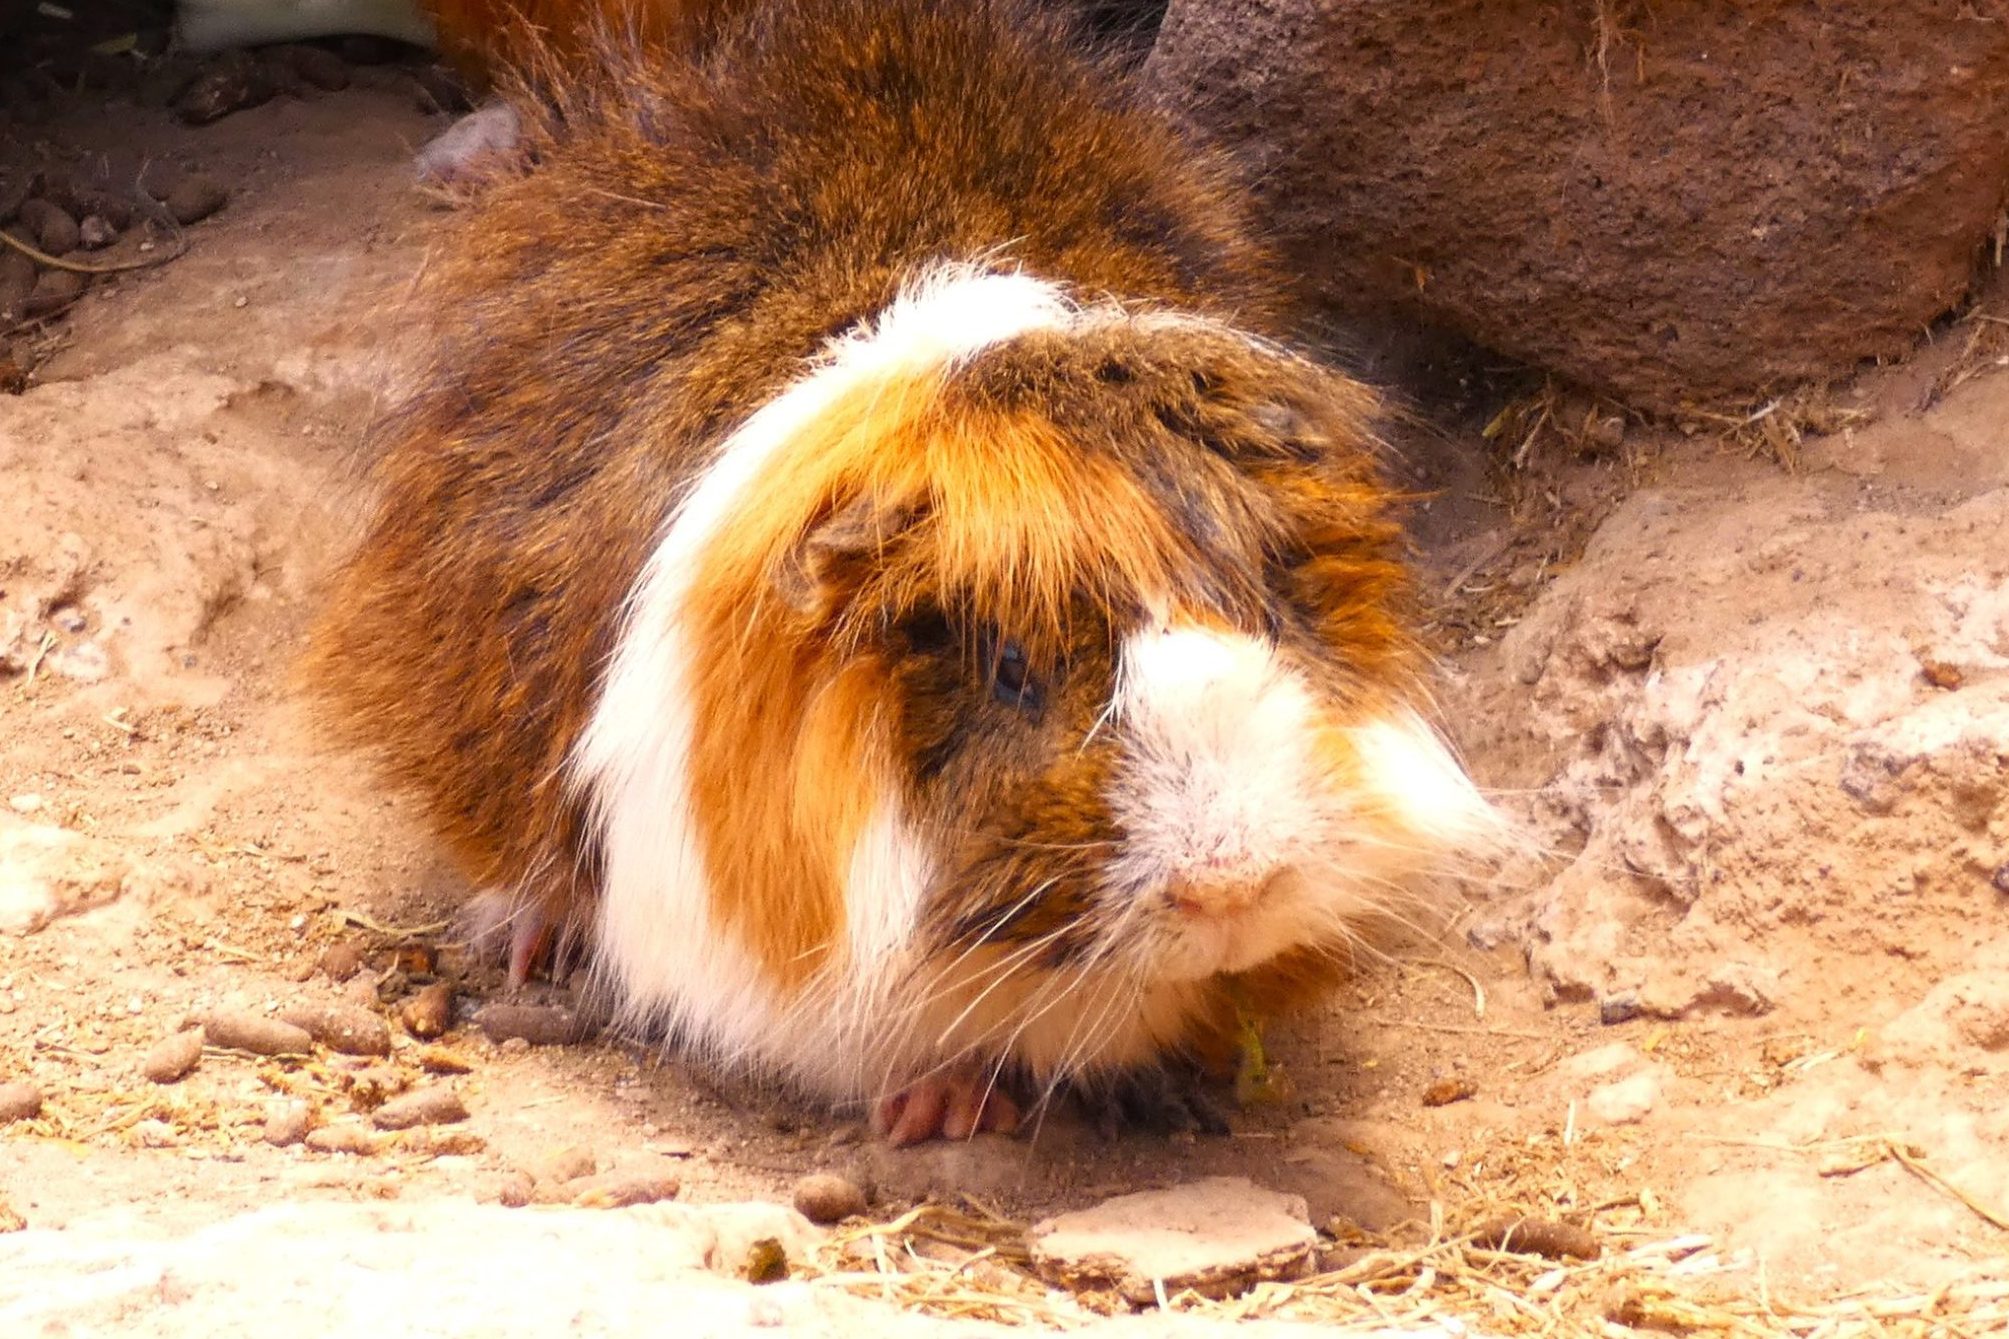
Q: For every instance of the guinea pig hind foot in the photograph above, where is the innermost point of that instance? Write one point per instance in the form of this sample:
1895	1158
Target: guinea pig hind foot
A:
504	928
1173	1098
483	143
955	1103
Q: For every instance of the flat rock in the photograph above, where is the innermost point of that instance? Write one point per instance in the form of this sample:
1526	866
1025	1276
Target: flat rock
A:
1218	1237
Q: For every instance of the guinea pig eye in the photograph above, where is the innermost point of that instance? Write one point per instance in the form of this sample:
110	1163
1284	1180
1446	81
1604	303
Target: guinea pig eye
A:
1012	680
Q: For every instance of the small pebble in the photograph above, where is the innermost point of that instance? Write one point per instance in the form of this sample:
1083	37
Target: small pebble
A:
286	1122
619	1190
569	1164
1615	1009
443	1060
54	230
515	1190
825	1198
19	1101
1538	1236
342	961
25	804
427	1106
239	1030
17	281
342	1137
173	1057
53	291
195	197
96	233
538	1024
447	1141
1446	1091
428	1013
343	1028
229	81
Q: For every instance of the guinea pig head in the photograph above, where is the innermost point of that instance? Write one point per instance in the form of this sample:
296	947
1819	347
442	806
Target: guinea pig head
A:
1050	686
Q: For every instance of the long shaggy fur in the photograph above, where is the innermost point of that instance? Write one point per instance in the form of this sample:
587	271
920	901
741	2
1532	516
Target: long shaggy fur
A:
810	443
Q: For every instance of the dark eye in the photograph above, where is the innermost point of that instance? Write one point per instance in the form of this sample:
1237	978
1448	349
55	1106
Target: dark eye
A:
1012	679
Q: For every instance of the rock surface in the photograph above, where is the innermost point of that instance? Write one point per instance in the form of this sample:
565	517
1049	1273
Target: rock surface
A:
1218	1237
1733	710
1669	203
467	1270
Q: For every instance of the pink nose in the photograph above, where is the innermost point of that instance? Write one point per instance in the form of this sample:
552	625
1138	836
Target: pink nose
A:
1217	893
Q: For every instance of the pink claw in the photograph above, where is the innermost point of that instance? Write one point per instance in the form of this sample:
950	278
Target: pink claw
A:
953	1105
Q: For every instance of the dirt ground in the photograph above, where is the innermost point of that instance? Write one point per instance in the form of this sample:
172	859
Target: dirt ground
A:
1661	1023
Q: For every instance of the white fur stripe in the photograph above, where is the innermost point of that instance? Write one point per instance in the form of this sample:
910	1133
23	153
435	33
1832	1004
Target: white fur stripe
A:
657	935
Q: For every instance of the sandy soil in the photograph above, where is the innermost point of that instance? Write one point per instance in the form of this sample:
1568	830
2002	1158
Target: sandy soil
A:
1736	965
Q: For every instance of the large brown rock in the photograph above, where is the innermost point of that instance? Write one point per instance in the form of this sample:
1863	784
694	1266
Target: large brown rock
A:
1677	203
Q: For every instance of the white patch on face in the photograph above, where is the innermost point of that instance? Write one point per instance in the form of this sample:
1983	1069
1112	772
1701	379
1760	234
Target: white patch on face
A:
1231	797
1421	788
671	961
1217	789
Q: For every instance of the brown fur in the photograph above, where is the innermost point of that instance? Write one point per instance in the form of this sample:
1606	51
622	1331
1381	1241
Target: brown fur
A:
690	232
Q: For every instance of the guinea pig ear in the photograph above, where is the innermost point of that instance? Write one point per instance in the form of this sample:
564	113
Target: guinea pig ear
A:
831	558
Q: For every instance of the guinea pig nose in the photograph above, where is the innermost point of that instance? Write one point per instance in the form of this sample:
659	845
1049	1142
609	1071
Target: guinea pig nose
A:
1217	892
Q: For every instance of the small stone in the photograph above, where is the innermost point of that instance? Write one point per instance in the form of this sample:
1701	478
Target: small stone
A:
344	1028
825	1198
620	1190
448	1141
228	82
342	1137
342	960
240	1030
429	1012
195	197
1219	1237
19	1101
286	1122
54	230
172	1058
442	1060
1999	880
569	1164
25	804
537	1024
427	1106
53	291
1446	1091
1627	1101
515	1190
1615	1009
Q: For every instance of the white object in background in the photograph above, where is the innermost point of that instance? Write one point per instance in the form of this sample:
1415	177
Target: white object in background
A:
210	25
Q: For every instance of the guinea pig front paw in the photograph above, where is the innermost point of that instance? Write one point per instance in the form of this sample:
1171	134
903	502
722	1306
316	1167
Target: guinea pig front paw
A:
956	1103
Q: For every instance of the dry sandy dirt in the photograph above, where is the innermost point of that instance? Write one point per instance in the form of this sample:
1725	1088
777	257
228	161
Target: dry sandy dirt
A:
1755	719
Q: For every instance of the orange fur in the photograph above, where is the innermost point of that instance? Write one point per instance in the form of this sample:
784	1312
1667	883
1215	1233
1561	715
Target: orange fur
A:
687	233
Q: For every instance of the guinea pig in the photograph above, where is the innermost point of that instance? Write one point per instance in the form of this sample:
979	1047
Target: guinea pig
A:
857	552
